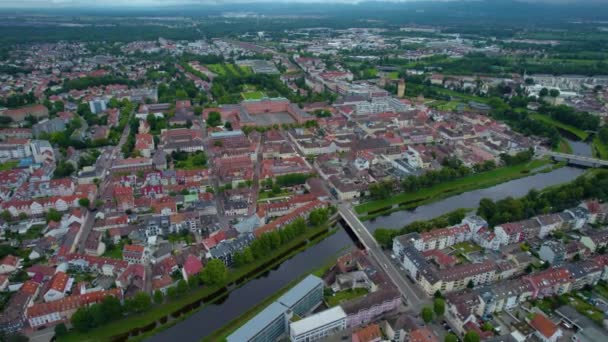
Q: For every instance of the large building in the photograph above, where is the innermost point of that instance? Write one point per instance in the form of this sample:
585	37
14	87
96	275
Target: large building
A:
273	322
318	326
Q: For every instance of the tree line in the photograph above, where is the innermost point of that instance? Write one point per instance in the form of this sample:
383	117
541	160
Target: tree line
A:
267	243
547	201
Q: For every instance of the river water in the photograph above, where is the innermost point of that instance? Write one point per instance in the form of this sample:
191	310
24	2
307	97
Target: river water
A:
514	188
202	323
580	148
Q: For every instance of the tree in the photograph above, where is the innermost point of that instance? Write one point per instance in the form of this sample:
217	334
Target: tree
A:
439	306
318	217
451	338
84	202
487	326
53	215
554	93
470	284
427	314
471	336
182	286
214	119
82	319
215	272
141	302
543	92
61	330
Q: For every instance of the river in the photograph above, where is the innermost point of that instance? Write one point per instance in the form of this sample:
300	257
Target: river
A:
514	188
202	323
580	148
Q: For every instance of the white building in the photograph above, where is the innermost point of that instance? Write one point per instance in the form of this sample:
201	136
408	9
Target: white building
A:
318	326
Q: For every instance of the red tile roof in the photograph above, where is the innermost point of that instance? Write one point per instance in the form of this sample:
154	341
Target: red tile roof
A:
543	325
192	266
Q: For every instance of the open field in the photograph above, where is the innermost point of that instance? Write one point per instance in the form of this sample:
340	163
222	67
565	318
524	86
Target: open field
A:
457	186
225	69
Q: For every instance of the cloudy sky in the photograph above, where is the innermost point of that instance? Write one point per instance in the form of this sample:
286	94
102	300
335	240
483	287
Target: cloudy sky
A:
135	3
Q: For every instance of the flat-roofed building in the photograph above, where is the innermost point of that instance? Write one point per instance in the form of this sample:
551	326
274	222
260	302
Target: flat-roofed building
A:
267	326
305	296
318	326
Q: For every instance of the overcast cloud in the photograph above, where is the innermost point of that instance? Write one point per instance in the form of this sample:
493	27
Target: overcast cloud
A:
157	3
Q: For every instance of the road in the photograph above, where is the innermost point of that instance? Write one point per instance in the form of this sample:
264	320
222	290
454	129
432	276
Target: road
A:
106	166
414	296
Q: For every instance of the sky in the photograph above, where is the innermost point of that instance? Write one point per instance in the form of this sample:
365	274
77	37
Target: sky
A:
157	3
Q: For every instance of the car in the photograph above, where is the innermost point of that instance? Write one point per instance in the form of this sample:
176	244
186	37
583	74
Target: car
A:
567	325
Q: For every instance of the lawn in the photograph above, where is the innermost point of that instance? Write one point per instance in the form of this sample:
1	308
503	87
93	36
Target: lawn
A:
393	75
600	150
579	133
225	69
253	95
115	252
9	165
466	247
341	296
468	97
264	195
449	106
124	325
192	161
601	289
586	309
442	190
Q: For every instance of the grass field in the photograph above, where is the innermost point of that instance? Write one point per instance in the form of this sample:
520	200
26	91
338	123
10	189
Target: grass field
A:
253	95
226	69
392	75
472	182
579	133
105	333
9	165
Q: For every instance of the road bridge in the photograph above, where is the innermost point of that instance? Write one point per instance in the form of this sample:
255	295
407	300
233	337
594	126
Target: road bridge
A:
576	159
414	297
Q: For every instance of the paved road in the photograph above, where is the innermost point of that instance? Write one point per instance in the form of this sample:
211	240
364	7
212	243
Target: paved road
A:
106	166
414	296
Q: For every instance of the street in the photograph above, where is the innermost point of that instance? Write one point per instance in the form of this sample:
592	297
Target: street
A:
414	296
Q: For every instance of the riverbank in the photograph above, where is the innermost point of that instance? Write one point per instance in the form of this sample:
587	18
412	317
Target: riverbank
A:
563	146
222	333
579	133
408	200
600	150
119	330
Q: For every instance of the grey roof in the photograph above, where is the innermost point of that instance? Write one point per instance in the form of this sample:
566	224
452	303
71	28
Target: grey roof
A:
257	323
292	296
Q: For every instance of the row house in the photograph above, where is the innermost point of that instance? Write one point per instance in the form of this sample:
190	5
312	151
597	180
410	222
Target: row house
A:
503	296
135	254
551	282
369	308
60	283
443	238
53	187
93	264
41	205
52	313
462	308
301	212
